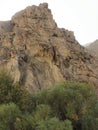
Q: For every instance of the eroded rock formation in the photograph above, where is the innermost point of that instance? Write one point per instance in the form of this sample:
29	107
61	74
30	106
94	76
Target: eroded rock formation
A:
39	54
93	48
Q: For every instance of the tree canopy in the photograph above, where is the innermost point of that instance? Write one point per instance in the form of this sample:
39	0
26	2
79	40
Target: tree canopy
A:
66	106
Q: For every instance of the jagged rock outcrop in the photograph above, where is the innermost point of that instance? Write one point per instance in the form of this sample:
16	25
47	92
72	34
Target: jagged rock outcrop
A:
39	54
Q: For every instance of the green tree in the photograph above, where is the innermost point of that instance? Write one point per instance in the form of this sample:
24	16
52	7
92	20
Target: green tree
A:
6	83
11	92
54	124
42	112
22	98
71	101
61	107
9	113
25	122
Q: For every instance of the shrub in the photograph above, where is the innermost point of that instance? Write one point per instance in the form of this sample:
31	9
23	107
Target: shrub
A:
54	124
42	112
10	92
71	101
62	107
9	113
6	83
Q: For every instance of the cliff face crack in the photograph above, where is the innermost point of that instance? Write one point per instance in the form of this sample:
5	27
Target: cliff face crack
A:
34	69
54	54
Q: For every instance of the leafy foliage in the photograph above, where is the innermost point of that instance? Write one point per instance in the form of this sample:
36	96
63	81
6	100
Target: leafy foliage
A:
71	101
10	92
8	114
54	124
67	106
6	83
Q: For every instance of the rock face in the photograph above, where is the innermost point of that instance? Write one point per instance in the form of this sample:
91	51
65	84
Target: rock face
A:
39	54
93	48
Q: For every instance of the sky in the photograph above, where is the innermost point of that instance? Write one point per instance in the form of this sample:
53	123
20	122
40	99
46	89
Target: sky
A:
80	16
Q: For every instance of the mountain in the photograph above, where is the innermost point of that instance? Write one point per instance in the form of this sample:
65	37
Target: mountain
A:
93	48
39	54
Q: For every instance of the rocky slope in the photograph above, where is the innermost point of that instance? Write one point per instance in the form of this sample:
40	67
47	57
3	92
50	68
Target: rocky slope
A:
93	48
39	54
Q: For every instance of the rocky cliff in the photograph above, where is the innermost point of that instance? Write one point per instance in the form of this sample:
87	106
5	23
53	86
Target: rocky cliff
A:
39	54
93	48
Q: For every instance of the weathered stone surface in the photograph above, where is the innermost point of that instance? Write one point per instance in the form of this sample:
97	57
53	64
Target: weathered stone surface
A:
93	48
39	54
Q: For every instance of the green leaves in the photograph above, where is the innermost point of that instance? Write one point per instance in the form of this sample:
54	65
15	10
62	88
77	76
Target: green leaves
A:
54	124
8	115
72	101
66	106
6	83
42	112
10	92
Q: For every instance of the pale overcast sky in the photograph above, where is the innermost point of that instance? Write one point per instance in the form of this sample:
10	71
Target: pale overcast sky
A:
80	16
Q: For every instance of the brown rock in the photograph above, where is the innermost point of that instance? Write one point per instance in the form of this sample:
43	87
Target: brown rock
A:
93	48
39	54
